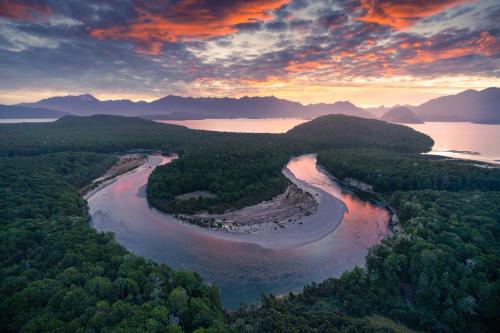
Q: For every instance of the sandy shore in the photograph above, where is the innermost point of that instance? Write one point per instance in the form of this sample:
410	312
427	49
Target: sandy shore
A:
287	208
327	216
126	163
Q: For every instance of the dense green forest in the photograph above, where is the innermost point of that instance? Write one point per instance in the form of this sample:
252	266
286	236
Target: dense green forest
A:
440	273
60	275
389	172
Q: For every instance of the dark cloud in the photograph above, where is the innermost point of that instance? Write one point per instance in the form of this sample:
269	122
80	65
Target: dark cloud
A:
277	26
333	20
24	10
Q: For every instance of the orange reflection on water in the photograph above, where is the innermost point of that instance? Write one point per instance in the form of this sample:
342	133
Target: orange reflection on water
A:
241	125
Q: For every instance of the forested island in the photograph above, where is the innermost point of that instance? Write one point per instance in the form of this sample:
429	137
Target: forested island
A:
439	273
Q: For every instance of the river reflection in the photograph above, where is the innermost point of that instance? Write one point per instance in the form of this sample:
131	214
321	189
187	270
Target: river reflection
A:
242	270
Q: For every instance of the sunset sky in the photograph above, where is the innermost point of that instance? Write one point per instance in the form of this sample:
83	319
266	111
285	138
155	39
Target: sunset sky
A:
369	52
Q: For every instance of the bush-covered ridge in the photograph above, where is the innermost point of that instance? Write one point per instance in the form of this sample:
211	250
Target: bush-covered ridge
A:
339	131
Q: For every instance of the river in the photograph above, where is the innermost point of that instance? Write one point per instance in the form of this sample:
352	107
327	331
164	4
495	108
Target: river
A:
242	269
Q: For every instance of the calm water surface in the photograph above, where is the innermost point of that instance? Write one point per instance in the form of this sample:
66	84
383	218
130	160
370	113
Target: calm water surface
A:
242	125
479	138
26	120
242	270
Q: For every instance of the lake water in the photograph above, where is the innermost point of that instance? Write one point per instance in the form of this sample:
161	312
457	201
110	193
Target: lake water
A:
464	140
26	120
242	270
241	125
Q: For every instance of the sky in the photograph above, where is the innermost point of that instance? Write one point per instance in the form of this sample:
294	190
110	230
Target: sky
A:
365	51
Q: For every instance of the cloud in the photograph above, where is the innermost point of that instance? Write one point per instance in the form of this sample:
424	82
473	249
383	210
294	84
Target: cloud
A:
186	20
400	14
28	11
485	44
242	47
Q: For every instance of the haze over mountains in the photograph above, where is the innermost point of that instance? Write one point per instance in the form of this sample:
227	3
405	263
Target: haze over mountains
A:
470	105
401	115
23	112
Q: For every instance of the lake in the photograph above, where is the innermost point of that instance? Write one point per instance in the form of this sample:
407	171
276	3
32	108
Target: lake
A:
464	140
26	120
241	125
243	270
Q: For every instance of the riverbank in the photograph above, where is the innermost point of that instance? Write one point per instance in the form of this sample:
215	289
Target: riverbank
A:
125	163
324	215
284	210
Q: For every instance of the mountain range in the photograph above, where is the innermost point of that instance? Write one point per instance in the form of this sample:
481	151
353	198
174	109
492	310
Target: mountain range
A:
177	107
470	105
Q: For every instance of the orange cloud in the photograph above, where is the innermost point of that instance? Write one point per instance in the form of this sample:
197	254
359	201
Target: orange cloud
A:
486	45
400	14
187	20
295	66
23	11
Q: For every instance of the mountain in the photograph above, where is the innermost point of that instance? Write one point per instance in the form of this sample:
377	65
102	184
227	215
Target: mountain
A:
470	105
85	105
21	112
346	108
380	110
401	115
245	107
177	107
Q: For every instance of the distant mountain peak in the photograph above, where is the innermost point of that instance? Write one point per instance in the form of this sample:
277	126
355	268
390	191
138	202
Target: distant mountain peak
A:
402	115
82	98
345	103
87	97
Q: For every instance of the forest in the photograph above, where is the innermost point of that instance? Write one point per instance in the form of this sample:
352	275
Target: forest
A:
440	273
241	171
388	172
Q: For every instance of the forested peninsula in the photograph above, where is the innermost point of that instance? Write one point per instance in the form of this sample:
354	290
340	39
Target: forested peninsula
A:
439	273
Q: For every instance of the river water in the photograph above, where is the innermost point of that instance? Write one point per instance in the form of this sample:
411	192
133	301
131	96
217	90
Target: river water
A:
242	270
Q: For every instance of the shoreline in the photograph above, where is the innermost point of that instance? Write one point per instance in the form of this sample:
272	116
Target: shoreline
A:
282	211
351	185
113	173
327	217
